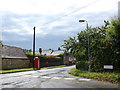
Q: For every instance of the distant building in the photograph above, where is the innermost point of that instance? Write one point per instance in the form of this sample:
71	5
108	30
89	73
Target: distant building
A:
69	59
13	58
51	52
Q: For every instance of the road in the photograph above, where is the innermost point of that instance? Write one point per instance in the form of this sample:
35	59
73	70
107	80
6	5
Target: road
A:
49	78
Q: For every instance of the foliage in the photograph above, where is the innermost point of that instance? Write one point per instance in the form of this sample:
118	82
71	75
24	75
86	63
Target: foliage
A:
27	50
40	50
104	45
59	48
61	55
0	41
15	70
82	65
52	60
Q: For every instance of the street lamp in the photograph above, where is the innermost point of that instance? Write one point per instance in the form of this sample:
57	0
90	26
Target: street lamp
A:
88	43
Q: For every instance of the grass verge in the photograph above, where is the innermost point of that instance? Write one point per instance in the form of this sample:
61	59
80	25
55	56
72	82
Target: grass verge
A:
27	69
101	76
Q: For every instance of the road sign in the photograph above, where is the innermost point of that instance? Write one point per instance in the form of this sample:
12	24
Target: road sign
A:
108	66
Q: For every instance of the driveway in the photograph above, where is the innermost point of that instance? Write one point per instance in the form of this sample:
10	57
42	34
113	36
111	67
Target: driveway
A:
49	78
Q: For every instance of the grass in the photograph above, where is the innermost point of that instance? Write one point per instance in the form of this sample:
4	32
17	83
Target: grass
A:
15	70
101	76
54	67
26	69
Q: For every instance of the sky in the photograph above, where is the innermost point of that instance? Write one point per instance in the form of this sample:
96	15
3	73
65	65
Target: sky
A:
55	20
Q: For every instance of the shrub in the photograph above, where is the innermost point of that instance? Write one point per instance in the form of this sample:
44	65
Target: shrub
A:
61	55
52	60
83	65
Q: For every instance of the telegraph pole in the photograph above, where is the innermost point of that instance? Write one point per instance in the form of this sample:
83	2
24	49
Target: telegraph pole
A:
33	47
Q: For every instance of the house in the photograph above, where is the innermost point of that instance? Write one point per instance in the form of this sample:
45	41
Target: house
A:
13	58
69	59
52	52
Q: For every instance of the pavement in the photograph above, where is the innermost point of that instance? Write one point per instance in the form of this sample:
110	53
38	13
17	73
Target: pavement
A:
49	78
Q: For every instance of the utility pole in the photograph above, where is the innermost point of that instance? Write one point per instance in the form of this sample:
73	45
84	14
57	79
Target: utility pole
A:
33	47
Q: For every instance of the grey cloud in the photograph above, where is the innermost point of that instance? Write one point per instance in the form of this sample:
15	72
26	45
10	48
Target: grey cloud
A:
54	37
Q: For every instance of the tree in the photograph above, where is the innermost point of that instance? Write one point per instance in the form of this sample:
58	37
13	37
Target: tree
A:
59	48
104	45
27	50
40	50
69	44
0	41
113	36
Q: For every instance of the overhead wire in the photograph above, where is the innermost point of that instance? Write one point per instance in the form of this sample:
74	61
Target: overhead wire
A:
70	13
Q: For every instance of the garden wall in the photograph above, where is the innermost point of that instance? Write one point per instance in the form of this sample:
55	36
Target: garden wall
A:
15	63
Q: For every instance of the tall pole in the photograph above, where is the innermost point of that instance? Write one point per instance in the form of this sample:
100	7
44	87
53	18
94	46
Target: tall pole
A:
88	42
33	47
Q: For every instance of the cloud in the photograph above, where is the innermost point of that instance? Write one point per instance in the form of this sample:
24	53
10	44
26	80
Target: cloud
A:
20	16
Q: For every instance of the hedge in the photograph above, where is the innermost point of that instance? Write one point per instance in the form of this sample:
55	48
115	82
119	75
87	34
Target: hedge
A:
52	60
82	65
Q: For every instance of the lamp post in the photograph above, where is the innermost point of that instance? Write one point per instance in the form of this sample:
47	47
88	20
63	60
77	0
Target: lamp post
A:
88	44
33	47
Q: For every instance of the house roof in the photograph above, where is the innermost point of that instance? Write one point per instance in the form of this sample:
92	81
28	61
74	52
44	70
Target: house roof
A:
51	52
13	52
46	52
57	52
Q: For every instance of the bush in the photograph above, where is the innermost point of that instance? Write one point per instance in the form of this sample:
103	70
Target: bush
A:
83	65
61	55
52	60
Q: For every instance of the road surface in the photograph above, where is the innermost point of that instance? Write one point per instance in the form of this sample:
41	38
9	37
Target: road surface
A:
49	78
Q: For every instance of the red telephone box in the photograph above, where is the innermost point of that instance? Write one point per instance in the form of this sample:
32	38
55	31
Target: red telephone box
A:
37	62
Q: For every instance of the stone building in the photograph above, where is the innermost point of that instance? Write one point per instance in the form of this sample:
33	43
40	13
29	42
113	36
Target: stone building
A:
69	59
13	58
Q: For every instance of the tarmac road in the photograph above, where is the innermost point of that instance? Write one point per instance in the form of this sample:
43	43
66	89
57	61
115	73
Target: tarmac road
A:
49	78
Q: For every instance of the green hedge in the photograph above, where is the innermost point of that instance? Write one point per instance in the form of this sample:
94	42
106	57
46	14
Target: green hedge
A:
82	65
52	60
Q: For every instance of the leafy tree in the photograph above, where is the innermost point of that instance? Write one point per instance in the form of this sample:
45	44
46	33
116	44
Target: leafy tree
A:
69	44
27	50
59	48
104	45
40	50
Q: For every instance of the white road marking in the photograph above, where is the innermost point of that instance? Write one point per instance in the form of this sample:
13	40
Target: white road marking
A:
84	79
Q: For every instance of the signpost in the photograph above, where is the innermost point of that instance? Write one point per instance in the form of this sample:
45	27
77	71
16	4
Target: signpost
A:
108	66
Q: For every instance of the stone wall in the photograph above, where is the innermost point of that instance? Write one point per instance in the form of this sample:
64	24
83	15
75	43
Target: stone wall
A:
15	63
